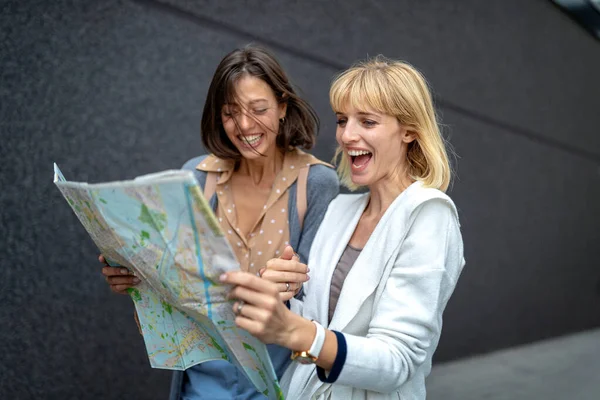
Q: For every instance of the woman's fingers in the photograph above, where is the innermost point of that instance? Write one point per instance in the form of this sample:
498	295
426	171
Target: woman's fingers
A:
249	311
250	281
287	270
116	271
255	328
261	323
285	296
290	287
258	307
123	280
264	300
281	276
120	279
120	289
277	264
288	253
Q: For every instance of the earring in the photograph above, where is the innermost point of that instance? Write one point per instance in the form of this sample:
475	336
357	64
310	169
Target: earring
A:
281	120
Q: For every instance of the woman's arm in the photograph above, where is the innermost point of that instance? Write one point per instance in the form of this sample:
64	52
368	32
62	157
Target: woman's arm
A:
406	325
322	187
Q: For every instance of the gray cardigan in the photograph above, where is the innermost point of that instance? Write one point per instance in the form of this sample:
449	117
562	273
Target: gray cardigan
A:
322	187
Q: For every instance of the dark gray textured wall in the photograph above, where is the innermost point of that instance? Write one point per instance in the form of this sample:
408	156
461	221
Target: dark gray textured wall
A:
113	89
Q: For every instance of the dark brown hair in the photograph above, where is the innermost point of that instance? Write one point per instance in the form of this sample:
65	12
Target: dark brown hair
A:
301	121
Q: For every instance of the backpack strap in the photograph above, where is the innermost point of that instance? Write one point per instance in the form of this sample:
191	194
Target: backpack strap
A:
301	202
210	185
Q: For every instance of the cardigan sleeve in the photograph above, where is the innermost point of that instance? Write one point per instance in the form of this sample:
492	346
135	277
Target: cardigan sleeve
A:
190	165
406	323
322	187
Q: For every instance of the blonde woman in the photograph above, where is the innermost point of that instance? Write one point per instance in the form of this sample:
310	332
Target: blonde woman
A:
385	262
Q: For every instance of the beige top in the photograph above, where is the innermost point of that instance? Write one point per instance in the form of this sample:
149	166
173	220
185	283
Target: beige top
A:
346	262
271	233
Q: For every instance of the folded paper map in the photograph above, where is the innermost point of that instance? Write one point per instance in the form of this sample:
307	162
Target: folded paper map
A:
160	227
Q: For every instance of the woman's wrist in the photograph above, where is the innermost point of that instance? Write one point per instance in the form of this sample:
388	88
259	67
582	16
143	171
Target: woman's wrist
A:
300	334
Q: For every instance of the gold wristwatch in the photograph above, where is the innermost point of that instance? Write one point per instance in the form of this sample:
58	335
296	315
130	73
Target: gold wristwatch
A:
311	355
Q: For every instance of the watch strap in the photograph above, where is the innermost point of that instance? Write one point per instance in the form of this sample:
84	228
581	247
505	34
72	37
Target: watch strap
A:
317	344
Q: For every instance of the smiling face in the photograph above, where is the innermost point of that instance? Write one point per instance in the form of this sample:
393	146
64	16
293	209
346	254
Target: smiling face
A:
251	122
374	144
387	128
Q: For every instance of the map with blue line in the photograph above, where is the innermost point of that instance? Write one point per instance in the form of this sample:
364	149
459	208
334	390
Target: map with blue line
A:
161	228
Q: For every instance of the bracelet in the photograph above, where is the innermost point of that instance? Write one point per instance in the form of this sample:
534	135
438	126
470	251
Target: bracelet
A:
317	344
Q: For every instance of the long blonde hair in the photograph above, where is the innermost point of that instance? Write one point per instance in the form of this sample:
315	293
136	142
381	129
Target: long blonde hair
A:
398	89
